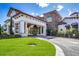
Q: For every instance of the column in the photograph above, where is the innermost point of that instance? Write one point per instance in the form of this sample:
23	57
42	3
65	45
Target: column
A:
8	29
44	30
23	28
26	30
40	30
37	30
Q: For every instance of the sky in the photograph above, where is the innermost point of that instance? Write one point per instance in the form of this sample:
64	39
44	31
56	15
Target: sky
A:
35	9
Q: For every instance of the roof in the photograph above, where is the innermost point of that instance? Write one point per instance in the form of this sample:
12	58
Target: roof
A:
71	18
19	13
60	23
74	13
7	20
11	10
54	11
41	18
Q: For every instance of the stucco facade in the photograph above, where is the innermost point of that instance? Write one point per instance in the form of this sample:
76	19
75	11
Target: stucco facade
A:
73	19
23	23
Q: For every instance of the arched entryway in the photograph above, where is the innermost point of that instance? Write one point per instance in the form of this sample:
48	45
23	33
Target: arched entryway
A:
35	29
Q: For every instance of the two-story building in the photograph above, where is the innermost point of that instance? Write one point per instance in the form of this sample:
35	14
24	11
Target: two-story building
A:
70	21
23	23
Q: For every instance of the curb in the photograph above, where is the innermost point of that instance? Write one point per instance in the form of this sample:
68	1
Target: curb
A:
59	51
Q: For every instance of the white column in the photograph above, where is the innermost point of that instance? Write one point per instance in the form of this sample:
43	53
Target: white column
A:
22	27
26	30
23	31
44	30
40	30
8	29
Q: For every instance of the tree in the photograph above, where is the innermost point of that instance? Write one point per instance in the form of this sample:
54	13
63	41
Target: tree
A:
52	32
48	31
68	32
75	29
11	22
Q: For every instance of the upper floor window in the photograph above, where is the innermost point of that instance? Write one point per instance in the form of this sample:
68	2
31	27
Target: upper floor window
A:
49	19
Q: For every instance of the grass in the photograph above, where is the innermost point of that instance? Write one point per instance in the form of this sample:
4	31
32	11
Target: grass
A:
21	47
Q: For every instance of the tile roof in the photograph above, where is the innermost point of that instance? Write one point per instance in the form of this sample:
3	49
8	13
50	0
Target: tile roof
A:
21	12
74	13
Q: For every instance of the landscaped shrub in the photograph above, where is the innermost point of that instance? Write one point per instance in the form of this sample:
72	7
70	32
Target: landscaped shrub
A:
4	33
70	33
51	32
48	31
6	36
17	35
60	34
1	30
54	32
75	35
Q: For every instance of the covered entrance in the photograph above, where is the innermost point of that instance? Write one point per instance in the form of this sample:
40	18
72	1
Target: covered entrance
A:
34	29
28	29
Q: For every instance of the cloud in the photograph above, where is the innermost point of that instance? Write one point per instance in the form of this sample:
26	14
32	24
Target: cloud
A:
43	4
69	12
34	14
59	7
41	15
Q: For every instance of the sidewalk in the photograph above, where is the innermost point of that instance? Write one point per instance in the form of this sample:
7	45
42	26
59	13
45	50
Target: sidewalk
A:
59	51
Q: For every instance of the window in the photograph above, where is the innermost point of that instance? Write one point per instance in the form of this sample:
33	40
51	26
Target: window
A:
49	19
67	26
21	15
5	27
16	27
61	29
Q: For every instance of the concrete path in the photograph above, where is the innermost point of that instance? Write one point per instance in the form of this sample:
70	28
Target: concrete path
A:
69	46
59	51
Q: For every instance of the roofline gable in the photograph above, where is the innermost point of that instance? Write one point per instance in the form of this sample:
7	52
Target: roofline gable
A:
19	13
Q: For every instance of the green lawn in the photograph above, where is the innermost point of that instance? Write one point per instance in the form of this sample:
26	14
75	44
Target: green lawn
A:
21	47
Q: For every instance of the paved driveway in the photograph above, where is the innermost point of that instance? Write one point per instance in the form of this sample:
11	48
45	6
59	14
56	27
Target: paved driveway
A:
69	46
